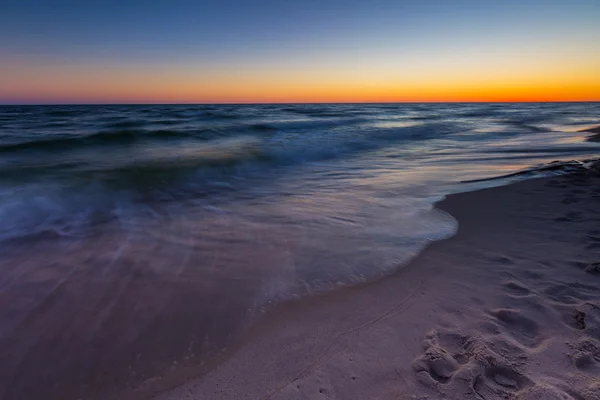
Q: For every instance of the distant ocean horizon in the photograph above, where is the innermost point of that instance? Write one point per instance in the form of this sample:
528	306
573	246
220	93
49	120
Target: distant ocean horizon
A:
233	103
146	236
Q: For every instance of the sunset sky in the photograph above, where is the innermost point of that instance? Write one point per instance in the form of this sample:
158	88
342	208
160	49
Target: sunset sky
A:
240	51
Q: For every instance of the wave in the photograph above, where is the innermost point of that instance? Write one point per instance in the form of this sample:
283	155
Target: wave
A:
65	113
67	204
130	131
118	136
128	124
260	127
211	153
218	152
211	145
489	113
173	159
318	113
168	122
304	124
554	166
429	117
220	115
61	178
558	149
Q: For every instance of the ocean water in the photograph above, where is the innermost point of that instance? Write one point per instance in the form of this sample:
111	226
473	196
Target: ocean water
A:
139	239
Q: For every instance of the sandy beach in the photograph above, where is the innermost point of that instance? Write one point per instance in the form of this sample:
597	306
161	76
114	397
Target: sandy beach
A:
509	308
596	134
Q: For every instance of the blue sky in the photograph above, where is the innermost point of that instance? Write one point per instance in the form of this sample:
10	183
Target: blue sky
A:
180	36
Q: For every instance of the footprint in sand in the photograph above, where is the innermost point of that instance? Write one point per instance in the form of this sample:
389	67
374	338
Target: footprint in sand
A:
516	288
585	352
578	319
592	319
444	353
544	392
593	268
514	353
503	260
483	366
528	274
498	382
437	363
583	316
524	329
592	392
567	293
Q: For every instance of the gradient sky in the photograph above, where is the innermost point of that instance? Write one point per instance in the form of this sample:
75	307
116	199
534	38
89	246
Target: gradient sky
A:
238	51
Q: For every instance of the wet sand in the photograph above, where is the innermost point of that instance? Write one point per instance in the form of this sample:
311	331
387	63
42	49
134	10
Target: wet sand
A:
596	134
509	308
88	324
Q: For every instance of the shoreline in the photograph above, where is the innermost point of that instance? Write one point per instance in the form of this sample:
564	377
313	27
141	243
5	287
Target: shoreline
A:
472	314
595	134
123	286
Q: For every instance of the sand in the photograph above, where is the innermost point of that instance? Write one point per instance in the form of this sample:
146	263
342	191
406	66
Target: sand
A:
596	136
509	308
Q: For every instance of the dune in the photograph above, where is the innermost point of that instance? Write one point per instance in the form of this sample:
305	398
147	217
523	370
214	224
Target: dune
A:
509	308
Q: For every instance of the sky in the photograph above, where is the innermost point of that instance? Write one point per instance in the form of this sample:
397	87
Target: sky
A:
265	51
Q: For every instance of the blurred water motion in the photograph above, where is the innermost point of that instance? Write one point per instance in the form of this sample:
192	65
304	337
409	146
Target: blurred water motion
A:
137	239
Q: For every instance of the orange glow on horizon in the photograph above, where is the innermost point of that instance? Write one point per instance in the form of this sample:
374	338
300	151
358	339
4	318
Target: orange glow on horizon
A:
459	82
333	94
323	94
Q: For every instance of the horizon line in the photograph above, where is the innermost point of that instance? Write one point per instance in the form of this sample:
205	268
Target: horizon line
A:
297	103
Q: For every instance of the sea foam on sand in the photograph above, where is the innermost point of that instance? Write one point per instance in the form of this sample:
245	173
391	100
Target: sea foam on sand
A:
509	308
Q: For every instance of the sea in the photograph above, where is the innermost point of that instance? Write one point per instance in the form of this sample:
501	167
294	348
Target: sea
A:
138	240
